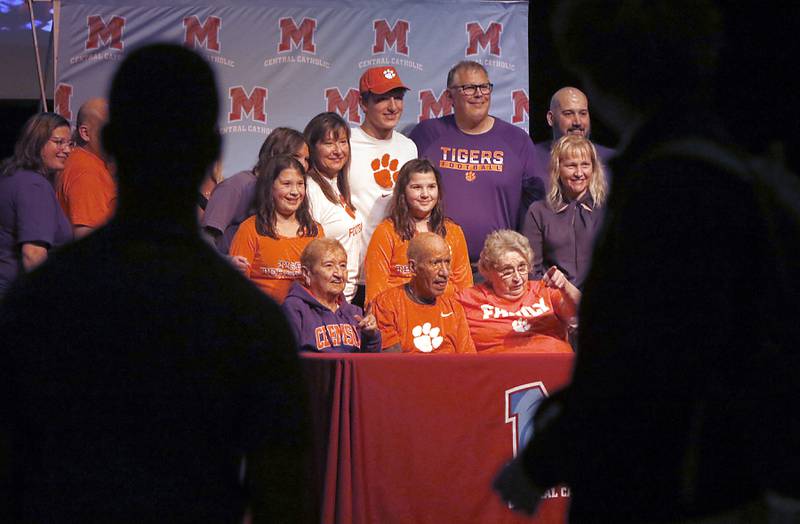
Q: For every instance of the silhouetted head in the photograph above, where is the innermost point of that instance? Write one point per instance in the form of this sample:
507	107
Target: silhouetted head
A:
646	55
162	128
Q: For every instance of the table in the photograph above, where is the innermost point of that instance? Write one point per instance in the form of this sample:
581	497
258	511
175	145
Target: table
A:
418	438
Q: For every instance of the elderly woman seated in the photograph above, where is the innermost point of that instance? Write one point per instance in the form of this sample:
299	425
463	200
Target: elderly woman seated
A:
321	318
509	313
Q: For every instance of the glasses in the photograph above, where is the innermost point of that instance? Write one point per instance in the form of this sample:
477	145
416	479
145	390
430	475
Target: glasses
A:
508	271
63	143
471	89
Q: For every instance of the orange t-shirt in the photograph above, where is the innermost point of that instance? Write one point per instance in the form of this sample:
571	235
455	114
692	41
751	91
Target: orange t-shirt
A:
86	190
421	328
274	262
531	324
386	262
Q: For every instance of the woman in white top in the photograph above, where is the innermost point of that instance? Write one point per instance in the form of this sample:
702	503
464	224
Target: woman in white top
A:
328	137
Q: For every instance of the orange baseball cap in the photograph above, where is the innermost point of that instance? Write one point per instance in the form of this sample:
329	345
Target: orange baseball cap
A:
380	80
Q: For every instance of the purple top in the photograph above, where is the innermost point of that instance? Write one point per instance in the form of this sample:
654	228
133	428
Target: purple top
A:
29	213
543	160
317	328
489	179
564	238
230	204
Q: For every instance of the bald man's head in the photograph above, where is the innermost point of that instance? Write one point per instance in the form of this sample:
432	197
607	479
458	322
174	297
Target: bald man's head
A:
92	116
429	259
569	113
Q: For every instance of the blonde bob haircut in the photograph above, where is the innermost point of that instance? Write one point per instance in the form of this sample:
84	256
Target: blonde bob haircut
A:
572	146
497	244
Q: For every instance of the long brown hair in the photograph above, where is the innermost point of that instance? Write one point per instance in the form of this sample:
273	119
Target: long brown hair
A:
282	141
32	139
265	205
316	131
398	211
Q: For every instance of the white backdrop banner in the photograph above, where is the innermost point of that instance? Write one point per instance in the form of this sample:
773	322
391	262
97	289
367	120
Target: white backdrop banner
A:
279	63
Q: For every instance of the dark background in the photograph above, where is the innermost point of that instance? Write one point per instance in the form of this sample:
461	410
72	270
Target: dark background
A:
756	91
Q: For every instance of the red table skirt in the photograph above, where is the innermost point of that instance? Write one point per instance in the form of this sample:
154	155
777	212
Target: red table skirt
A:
418	438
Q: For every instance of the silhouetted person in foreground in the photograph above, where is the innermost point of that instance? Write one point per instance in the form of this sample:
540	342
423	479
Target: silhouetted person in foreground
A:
138	368
682	407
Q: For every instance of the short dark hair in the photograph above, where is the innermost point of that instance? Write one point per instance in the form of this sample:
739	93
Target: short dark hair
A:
464	65
32	139
282	141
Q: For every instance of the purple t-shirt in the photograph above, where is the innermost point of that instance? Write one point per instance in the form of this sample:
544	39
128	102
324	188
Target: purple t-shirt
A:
29	212
488	179
543	160
230	204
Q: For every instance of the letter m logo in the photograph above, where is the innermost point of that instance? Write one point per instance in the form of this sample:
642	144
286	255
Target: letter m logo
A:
386	37
205	34
521	106
521	404
432	107
489	38
110	33
62	100
346	106
253	104
293	36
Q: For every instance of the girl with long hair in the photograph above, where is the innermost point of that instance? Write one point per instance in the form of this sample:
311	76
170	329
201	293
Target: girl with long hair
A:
416	207
274	237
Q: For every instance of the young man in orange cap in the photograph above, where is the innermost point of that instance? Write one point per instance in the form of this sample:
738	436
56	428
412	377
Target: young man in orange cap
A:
377	150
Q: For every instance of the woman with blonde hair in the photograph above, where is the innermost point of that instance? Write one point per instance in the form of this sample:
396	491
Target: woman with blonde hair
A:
562	228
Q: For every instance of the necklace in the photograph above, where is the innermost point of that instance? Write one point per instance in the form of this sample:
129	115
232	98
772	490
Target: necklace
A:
419	300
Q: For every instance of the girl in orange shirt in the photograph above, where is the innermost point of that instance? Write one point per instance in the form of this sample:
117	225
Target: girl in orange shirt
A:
416	207
273	238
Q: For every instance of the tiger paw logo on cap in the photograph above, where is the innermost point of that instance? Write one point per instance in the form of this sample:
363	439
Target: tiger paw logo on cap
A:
389	74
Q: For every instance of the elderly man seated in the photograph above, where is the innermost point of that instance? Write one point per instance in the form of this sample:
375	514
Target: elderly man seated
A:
320	316
415	317
511	314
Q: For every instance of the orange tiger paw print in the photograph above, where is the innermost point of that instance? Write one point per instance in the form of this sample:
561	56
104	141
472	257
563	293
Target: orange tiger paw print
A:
385	171
469	176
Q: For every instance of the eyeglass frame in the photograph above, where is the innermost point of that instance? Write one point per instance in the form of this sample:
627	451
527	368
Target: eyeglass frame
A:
523	270
62	143
483	89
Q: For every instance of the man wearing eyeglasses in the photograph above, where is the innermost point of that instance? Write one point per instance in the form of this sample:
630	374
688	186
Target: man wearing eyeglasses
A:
85	188
487	164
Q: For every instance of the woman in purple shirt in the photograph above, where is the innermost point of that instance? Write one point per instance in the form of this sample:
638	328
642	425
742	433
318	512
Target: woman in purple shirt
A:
322	320
561	228
31	220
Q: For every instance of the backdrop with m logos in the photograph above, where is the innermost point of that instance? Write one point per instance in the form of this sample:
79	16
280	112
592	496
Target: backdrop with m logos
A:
281	62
